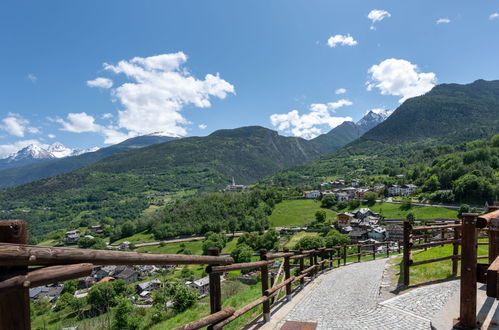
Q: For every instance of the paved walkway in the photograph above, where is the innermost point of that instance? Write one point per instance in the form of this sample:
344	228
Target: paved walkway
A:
349	298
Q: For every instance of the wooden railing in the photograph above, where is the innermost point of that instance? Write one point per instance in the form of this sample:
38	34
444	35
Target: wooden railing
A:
24	266
473	272
423	237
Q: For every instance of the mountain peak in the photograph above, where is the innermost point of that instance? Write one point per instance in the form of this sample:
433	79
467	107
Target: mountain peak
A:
373	118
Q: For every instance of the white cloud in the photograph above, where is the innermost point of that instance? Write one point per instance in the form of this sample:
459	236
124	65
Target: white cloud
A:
159	88
343	40
443	20
107	116
380	111
400	78
494	16
202	126
52	136
340	91
79	123
16	125
31	77
100	83
377	15
310	125
8	149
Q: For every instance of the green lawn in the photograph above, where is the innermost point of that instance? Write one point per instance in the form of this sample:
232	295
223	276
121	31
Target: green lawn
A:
435	270
297	213
196	247
393	211
296	237
137	238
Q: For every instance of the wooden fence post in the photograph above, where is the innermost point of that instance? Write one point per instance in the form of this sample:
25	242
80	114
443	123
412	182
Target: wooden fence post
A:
287	275
467	314
311	260
493	240
388	249
14	305
323	265
302	267
344	255
358	253
374	251
331	259
215	286
407	251
338	255
265	285
455	249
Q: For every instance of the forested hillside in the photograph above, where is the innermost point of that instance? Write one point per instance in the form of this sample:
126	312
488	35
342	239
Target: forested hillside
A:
450	114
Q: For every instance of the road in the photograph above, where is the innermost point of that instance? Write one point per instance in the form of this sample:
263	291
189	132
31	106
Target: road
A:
173	240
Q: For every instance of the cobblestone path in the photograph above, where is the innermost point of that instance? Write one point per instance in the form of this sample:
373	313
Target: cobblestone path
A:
348	298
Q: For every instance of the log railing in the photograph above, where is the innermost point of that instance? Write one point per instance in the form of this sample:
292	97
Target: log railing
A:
24	266
421	237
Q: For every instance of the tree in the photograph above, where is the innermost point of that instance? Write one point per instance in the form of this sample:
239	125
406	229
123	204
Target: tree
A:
123	318
328	201
242	253
268	240
410	217
464	208
353	204
341	205
334	237
370	196
320	216
310	242
431	184
70	286
183	297
64	301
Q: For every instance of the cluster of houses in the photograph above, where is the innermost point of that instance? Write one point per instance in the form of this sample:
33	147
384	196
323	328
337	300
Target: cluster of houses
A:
342	192
73	236
361	225
235	187
129	274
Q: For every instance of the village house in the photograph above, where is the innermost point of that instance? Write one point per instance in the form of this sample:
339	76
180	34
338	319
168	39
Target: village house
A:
202	286
149	286
50	292
355	182
357	234
395	231
403	190
342	197
345	218
72	236
129	275
97	229
311	194
378	187
377	234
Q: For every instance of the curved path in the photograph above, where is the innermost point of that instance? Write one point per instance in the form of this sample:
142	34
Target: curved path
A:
351	298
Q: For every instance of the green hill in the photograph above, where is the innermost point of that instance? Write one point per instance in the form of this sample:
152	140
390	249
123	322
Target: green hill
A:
124	184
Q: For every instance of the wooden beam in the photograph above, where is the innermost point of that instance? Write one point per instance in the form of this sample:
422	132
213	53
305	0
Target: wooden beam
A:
210	319
240	266
14	304
492	279
46	275
24	255
467	314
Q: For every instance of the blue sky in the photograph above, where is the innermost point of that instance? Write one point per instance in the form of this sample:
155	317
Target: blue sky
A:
192	67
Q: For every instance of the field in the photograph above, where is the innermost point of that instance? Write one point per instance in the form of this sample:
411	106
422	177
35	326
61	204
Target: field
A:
195	247
297	213
394	211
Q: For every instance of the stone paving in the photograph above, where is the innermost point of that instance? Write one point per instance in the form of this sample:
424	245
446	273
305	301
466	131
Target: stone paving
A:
349	298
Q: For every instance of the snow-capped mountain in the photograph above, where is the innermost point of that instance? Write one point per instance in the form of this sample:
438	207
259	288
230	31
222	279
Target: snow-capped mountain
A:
34	152
373	118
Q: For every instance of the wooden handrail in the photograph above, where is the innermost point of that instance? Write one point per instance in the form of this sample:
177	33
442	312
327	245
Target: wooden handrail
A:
22	255
240	266
485	220
207	320
46	275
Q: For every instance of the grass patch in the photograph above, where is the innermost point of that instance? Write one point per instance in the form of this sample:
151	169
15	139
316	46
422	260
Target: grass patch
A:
433	271
137	238
297	213
296	237
393	211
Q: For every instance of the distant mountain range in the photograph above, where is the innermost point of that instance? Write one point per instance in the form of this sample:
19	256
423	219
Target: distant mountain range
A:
42	163
34	163
36	153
